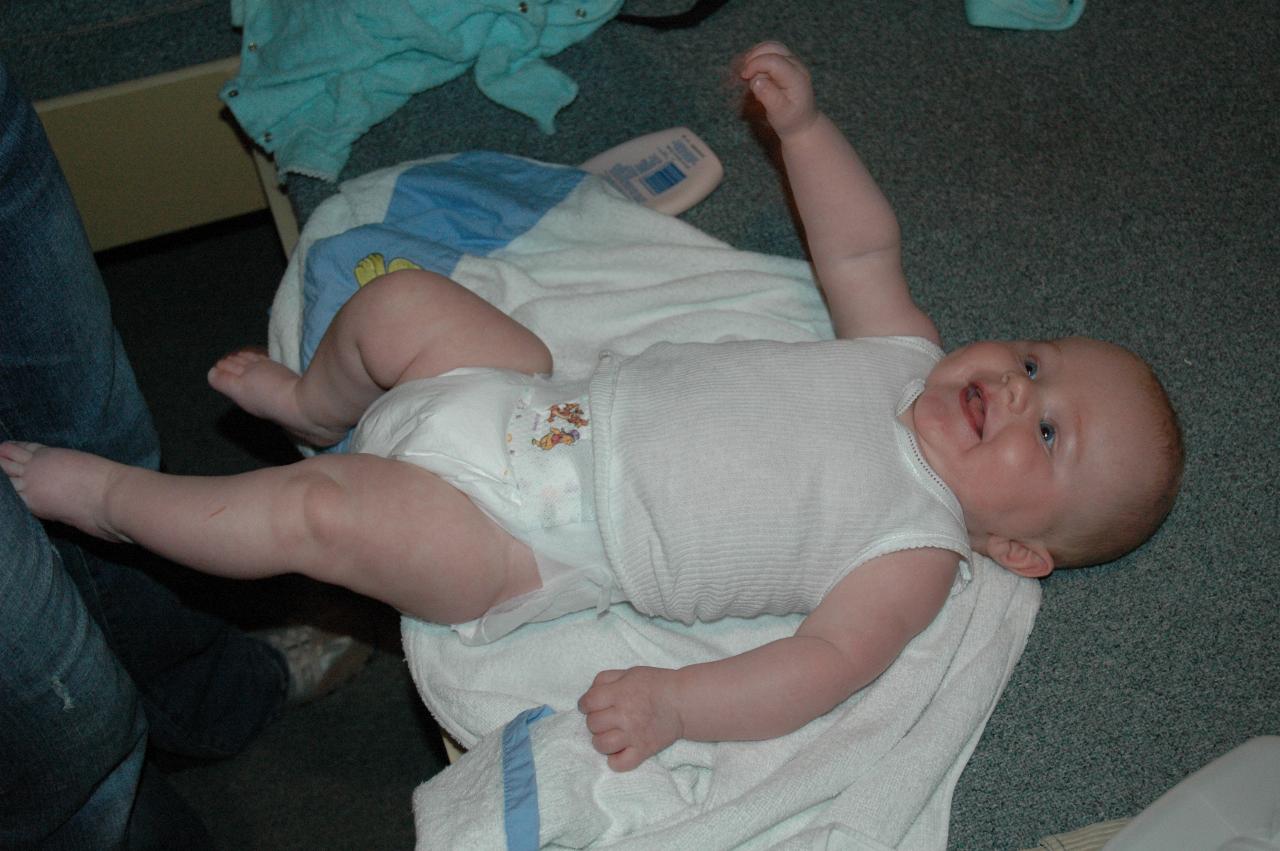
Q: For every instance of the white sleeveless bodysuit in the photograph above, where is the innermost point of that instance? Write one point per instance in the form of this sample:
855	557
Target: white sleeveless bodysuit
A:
748	478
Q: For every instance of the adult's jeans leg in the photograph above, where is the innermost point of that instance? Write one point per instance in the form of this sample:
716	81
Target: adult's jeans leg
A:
212	689
64	368
72	731
65	380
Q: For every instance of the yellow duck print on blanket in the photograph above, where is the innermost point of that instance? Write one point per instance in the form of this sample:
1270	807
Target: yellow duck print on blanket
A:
375	266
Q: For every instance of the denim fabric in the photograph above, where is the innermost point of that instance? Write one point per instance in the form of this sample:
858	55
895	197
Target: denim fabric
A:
95	657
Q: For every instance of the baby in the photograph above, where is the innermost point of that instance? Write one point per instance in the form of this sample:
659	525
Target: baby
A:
850	480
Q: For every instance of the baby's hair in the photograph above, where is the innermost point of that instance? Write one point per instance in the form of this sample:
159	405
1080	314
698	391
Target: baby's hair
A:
1141	511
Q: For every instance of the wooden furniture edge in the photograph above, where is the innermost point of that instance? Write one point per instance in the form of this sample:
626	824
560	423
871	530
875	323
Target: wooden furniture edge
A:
160	154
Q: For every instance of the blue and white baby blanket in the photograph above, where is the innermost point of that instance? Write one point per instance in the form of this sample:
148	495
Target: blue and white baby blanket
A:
587	269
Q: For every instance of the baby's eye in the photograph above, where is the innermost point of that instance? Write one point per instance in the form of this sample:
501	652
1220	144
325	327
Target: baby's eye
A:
1048	433
1031	367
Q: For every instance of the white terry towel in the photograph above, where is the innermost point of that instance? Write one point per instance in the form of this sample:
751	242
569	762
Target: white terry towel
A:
877	772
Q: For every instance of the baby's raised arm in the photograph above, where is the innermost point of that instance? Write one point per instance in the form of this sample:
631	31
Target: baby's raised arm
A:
845	643
852	232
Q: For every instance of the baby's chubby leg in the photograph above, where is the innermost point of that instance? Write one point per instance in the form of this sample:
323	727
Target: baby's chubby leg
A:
402	326
381	528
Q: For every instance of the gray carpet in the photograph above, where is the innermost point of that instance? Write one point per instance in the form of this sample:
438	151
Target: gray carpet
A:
1118	179
58	48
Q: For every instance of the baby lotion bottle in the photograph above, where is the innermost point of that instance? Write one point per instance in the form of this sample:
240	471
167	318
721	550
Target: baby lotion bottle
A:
670	170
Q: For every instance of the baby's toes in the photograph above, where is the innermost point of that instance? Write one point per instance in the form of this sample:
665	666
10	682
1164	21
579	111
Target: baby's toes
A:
238	362
229	365
14	458
18	452
251	354
220	376
13	469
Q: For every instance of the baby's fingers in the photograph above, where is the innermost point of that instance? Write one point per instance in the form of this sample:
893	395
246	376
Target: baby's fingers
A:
764	48
608	733
783	69
610	742
597	697
627	759
603	720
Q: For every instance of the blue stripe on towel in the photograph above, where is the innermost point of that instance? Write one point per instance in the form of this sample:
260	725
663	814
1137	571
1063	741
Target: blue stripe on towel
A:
520	781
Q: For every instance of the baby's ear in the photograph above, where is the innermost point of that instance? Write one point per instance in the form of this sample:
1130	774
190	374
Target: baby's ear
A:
1020	557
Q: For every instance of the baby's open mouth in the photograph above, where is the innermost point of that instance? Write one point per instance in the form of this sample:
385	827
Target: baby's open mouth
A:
975	407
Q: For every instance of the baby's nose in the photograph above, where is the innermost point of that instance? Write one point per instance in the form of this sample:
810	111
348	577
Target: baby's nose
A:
1017	388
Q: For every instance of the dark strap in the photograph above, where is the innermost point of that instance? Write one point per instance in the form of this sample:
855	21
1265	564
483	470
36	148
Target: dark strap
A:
694	15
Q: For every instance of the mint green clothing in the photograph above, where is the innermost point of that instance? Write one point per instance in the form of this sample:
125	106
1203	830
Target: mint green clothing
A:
316	74
1024	14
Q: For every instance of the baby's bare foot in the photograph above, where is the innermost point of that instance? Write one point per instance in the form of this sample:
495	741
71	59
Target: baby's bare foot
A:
267	389
62	485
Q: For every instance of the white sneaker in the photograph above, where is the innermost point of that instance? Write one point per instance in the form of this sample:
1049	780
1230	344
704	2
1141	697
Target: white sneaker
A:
319	661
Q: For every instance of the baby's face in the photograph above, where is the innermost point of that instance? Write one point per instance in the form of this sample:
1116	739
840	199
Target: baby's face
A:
1029	433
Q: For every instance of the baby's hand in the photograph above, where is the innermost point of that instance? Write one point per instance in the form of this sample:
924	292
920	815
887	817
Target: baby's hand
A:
782	85
630	715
